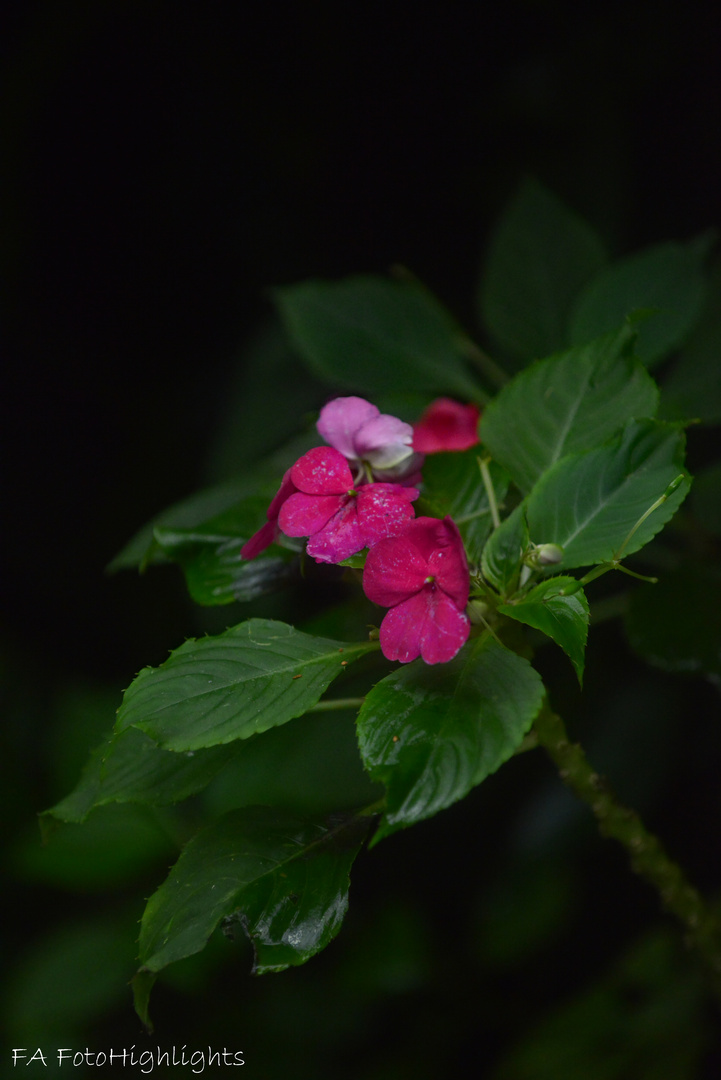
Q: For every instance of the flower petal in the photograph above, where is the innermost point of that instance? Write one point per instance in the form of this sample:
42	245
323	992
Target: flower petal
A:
304	515
394	570
384	510
449	565
384	441
322	471
428	625
446	425
259	541
341	418
340	538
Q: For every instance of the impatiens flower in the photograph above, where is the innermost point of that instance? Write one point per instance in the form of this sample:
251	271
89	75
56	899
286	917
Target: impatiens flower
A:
422	576
339	516
363	434
267	533
446	425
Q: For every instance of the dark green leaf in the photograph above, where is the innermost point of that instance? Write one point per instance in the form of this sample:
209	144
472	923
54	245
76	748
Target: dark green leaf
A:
540	256
565	404
284	878
431	733
310	767
373	334
501	560
676	624
563	618
130	767
189	513
588	503
693	387
255	676
209	554
452	484
666	279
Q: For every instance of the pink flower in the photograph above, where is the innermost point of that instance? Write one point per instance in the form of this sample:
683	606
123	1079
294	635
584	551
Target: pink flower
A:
341	517
267	533
364	435
422	576
446	425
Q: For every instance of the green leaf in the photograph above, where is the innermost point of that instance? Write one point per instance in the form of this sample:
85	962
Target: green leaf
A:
130	767
501	561
373	334
588	503
255	676
282	877
676	624
666	279
567	403
453	485
692	389
563	618
540	256
189	513
209	554
431	733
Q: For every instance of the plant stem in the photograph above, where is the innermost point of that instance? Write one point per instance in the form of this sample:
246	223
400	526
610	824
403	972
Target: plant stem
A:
646	853
490	491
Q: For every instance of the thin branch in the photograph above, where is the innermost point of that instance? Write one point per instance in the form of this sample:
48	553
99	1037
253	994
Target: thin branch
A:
646	853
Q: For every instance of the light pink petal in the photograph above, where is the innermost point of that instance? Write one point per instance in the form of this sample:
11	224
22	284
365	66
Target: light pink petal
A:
259	541
394	570
449	565
340	538
322	471
446	425
384	442
407	472
428	625
341	418
304	515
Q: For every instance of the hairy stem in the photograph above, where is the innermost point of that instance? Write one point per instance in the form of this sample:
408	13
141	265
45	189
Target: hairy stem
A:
646	853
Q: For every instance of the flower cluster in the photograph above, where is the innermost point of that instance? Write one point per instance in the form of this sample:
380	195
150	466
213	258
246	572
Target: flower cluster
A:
357	493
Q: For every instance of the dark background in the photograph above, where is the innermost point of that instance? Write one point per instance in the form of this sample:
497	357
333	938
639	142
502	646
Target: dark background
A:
163	165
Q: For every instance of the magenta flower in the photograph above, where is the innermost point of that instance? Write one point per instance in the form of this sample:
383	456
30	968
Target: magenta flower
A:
422	576
267	533
366	436
341	517
446	425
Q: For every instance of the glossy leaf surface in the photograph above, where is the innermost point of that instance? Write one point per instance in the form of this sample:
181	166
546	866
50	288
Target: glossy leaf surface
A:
666	280
501	560
588	503
209	554
453	485
255	676
563	618
565	404
282	877
540	256
373	334
431	733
